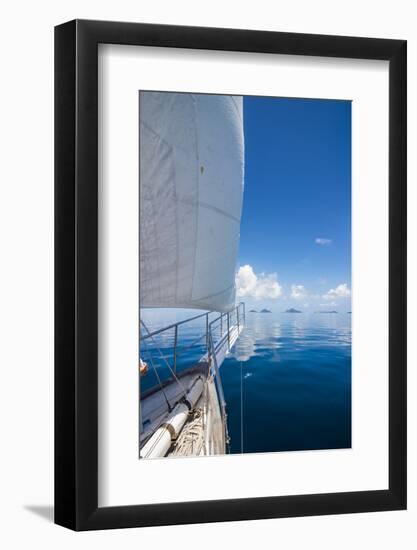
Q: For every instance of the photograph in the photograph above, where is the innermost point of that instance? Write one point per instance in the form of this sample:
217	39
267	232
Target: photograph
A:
208	233
244	274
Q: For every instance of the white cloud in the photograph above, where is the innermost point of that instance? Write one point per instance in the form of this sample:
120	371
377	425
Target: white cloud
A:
298	292
323	242
341	291
251	285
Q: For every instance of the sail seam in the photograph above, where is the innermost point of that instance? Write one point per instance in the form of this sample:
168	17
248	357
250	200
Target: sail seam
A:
210	207
215	294
198	191
219	211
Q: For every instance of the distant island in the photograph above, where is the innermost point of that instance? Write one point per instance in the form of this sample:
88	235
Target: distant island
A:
324	311
265	311
253	311
349	312
292	310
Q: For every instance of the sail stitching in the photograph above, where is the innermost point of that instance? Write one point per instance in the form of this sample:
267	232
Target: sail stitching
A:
217	293
198	191
210	207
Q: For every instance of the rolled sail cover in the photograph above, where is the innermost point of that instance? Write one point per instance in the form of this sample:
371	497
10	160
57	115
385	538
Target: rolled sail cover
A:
191	188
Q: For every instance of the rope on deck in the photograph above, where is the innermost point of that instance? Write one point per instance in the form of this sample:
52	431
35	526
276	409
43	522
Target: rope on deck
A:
190	441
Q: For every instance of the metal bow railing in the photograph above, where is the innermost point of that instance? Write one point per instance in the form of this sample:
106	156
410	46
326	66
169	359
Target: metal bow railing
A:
217	328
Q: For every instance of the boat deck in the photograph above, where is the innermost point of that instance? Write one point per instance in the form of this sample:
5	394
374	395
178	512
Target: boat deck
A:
154	406
157	402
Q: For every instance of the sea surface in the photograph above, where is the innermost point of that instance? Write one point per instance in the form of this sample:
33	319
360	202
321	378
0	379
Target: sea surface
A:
287	380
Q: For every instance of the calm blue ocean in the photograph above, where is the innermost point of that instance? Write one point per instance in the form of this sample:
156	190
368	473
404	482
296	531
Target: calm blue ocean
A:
287	381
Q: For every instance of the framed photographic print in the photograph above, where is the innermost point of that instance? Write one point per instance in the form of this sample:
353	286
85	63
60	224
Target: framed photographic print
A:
230	336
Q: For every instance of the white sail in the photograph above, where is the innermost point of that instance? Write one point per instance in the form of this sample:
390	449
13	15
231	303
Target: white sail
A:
191	187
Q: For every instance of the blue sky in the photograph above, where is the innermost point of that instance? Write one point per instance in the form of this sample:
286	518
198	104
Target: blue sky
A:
295	246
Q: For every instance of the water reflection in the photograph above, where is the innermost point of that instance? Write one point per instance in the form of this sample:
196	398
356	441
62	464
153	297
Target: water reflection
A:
291	375
274	331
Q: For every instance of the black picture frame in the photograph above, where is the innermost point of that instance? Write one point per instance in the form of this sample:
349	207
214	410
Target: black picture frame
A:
76	272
